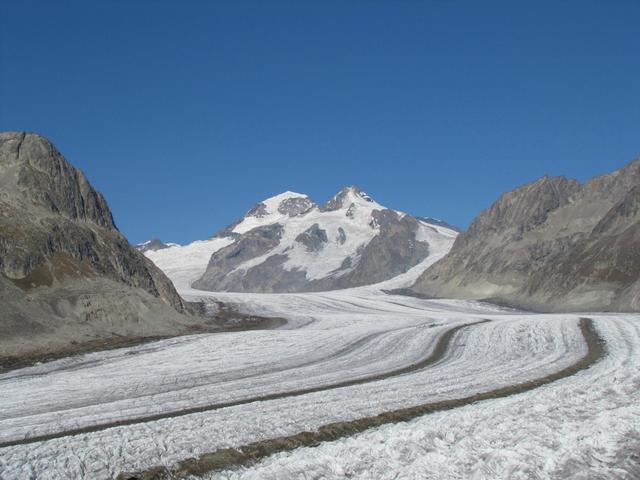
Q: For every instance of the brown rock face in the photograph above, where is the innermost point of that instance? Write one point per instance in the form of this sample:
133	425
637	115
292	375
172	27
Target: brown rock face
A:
553	244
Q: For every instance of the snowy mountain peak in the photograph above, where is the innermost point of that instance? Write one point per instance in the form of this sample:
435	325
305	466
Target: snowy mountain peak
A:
277	202
349	196
286	243
272	210
286	203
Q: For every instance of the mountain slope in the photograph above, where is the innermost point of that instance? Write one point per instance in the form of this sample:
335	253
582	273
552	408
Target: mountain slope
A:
553	244
53	222
67	275
288	243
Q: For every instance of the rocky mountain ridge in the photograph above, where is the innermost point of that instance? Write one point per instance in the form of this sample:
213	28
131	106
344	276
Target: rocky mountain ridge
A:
50	212
551	245
154	244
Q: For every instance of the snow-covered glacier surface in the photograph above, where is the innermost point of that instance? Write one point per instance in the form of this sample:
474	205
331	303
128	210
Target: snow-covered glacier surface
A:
583	426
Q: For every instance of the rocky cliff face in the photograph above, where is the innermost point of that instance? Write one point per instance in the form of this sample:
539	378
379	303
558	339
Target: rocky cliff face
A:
54	224
67	275
553	244
288	243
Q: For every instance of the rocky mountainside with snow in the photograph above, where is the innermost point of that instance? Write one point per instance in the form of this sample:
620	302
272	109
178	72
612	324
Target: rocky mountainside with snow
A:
66	273
553	244
288	243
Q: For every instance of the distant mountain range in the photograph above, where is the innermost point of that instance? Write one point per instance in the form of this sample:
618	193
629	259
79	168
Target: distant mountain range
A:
553	244
288	243
154	244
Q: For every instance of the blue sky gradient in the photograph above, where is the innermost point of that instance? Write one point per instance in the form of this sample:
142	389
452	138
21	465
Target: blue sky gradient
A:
184	114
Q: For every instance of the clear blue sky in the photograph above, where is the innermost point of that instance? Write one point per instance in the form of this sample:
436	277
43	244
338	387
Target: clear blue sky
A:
184	114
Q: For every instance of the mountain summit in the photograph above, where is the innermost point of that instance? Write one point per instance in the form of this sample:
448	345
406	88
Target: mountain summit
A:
348	196
288	243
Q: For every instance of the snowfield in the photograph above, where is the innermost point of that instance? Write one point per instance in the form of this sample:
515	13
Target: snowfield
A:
342	356
184	264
